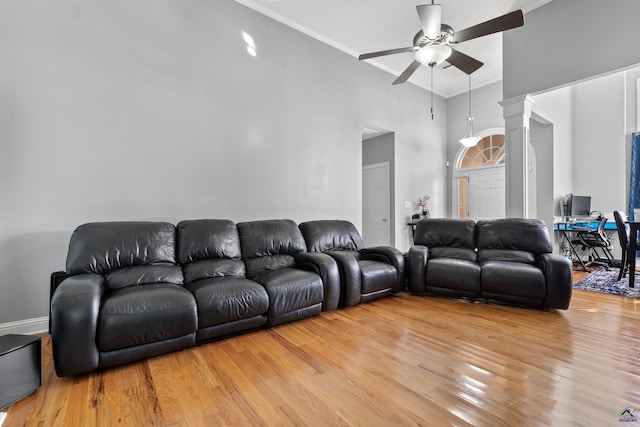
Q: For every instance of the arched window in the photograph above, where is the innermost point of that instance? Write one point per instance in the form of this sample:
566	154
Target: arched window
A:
488	153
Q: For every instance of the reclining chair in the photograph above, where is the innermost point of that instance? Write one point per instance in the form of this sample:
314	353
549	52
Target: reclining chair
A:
365	273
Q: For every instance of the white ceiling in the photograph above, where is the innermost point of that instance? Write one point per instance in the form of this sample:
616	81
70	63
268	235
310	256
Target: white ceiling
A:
362	26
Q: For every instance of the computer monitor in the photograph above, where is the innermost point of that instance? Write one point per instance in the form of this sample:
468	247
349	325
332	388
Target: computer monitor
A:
578	206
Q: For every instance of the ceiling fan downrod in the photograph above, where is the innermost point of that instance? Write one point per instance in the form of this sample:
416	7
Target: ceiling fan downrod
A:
431	67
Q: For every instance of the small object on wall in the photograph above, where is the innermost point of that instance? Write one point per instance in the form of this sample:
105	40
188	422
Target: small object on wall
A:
20	366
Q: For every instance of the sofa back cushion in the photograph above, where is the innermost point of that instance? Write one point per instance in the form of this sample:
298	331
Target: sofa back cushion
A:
126	253
269	245
520	234
143	274
331	235
450	238
209	248
100	247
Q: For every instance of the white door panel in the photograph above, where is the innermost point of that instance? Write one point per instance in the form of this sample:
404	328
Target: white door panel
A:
487	193
375	205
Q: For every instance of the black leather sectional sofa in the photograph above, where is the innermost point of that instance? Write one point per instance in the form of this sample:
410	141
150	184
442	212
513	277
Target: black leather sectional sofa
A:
506	260
133	290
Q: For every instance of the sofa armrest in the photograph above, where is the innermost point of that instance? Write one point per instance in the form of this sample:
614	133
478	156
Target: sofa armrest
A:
351	283
388	255
74	320
417	268
558	273
326	267
55	279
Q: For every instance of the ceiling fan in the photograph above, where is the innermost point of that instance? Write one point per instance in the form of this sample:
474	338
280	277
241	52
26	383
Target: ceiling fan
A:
433	43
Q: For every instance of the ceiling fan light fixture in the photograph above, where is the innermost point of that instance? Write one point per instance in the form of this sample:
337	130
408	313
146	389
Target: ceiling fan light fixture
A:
434	54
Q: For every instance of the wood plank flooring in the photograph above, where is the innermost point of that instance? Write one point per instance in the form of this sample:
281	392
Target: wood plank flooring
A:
403	360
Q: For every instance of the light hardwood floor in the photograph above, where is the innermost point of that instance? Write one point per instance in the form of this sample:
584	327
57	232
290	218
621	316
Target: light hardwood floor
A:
403	360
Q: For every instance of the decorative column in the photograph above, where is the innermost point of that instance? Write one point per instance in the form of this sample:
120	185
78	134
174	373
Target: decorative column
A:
517	113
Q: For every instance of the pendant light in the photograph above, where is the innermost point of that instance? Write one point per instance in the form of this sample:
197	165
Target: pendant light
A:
468	140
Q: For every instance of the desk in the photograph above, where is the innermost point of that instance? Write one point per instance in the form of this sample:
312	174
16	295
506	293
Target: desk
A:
567	229
412	223
634	227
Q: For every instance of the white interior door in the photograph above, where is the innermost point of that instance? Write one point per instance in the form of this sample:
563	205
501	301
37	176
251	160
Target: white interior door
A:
487	193
375	205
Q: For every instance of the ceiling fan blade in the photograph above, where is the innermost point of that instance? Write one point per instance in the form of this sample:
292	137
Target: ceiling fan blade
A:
407	73
430	19
386	52
464	62
505	22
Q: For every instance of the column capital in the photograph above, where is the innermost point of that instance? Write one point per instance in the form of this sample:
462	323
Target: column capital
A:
517	106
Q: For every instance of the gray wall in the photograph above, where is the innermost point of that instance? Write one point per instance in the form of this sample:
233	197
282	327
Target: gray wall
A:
599	154
153	110
591	138
566	41
378	150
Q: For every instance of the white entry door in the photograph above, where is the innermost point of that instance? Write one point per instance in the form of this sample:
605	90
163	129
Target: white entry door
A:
486	193
375	205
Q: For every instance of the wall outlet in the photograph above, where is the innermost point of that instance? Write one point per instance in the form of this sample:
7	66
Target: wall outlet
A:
408	205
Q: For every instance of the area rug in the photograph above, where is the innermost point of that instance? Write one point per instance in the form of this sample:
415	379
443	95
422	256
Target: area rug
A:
606	281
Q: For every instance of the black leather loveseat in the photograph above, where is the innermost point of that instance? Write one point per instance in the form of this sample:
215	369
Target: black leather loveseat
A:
133	290
506	260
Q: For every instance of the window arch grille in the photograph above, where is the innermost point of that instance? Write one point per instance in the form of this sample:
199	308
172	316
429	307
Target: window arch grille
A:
489	151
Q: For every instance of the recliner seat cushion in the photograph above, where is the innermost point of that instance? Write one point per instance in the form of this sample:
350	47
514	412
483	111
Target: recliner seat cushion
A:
290	289
227	299
144	314
513	278
376	276
453	274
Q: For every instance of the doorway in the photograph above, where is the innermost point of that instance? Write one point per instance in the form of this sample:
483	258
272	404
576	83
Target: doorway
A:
479	178
378	216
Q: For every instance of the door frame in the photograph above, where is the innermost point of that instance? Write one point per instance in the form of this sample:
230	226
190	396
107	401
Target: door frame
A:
459	173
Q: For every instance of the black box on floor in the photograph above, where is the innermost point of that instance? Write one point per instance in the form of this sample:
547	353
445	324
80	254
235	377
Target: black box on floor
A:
19	367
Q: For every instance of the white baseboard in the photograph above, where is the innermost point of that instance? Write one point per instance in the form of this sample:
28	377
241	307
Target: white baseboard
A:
26	327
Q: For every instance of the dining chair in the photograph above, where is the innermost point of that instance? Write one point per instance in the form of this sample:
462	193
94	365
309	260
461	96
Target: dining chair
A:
623	238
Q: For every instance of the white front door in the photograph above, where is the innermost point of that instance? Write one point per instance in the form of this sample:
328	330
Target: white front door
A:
375	205
487	193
